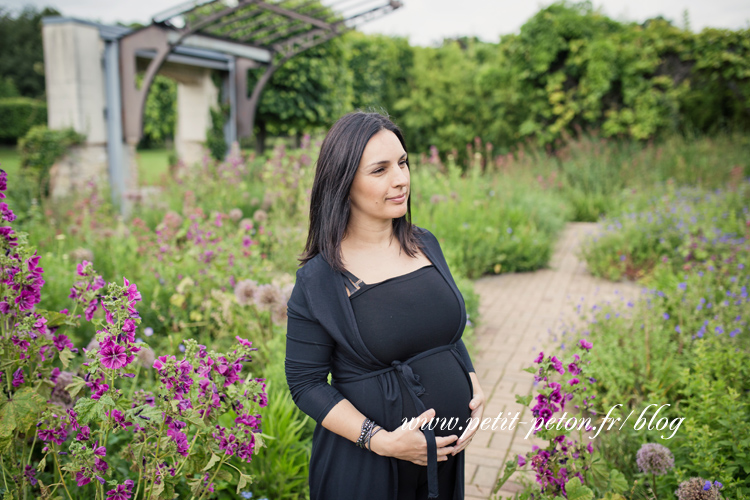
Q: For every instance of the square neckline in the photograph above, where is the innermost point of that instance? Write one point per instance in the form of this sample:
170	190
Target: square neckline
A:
360	284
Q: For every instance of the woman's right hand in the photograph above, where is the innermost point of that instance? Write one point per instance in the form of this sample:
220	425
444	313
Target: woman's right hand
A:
408	442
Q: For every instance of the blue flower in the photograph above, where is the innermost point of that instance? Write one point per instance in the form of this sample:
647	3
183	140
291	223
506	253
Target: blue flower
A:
682	286
666	315
707	486
246	494
718	484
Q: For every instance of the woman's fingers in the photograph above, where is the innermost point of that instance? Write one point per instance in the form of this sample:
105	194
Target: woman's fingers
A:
443	441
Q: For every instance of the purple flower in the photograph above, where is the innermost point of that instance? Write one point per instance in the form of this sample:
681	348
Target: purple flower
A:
90	310
81	268
132	291
521	461
539	358
81	479
666	315
61	342
148	331
30	473
654	458
114	356
85	434
26	300
585	344
707	486
121	492
18	377
7	212
574	381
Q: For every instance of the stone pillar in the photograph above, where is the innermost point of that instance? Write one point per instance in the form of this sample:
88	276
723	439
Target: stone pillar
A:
195	97
74	77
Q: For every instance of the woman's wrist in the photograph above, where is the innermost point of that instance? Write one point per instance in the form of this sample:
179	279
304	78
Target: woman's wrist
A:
380	443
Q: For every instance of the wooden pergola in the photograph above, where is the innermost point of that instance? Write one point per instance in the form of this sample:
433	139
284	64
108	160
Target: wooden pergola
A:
255	33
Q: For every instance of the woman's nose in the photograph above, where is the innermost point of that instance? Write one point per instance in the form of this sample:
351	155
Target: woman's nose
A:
400	177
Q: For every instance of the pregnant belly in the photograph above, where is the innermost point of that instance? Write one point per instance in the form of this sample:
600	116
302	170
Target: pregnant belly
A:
447	390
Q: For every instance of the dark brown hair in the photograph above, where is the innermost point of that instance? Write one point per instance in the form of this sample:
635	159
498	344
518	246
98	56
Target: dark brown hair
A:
336	168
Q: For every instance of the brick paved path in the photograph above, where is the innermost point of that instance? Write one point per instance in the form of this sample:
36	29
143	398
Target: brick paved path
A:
518	312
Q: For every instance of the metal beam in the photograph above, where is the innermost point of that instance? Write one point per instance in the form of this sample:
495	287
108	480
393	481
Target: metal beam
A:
294	15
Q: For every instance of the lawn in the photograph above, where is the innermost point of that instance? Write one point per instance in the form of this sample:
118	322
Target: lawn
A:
10	160
152	165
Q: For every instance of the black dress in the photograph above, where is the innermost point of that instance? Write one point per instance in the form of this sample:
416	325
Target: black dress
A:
398	319
324	338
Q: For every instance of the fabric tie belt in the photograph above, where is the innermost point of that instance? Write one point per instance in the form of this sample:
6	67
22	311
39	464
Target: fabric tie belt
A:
416	389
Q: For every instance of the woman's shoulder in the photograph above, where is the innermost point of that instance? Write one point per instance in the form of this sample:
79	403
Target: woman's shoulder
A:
424	234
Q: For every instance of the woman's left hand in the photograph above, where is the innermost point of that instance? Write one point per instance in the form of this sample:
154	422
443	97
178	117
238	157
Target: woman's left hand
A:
477	411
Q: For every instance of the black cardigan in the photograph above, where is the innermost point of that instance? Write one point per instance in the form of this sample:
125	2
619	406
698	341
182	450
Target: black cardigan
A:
322	337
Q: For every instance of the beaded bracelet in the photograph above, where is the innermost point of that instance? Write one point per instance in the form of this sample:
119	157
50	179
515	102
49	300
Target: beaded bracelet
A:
369	438
367	426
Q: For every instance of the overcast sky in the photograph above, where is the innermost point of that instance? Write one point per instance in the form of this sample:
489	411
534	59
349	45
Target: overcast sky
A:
427	21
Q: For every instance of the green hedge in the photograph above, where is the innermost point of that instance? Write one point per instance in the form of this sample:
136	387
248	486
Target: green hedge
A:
18	115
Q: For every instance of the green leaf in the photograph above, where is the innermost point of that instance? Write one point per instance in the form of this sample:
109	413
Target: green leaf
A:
617	481
20	412
157	489
523	400
106	399
75	386
65	356
598	474
196	419
244	480
577	491
531	369
88	410
223	475
148	411
54	318
212	462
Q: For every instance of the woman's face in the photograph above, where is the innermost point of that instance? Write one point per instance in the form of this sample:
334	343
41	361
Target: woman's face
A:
380	188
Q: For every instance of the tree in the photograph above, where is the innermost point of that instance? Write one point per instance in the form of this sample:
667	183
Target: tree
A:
309	91
22	60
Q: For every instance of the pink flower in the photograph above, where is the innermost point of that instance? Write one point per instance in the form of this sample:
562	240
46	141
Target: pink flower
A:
61	342
244	342
113	356
521	461
82	480
132	291
574	381
128	327
585	344
539	358
80	268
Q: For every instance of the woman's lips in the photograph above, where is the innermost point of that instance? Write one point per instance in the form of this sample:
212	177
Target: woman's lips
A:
399	199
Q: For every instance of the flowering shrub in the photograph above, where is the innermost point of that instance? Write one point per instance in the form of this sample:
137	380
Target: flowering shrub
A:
683	228
567	467
90	429
684	342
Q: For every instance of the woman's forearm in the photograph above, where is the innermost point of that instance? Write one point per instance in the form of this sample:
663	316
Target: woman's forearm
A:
345	420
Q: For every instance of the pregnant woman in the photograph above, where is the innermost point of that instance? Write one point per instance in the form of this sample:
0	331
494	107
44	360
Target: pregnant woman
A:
375	306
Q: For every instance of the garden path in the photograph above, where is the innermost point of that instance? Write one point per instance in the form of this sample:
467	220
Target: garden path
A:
518	314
